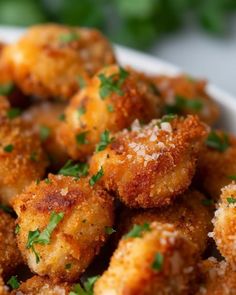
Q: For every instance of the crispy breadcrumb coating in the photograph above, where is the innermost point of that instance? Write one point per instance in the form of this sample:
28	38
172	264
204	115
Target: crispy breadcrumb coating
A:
188	214
186	95
3	287
216	168
150	165
161	261
79	235
42	286
224	222
98	108
46	117
49	59
218	278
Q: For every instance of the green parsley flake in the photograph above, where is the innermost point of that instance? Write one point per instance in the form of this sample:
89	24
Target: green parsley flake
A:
13	113
86	288
81	82
181	103
69	37
68	266
168	118
105	140
6	208
62	117
112	84
110	108
109	230
218	142
207	202
231	200
232	177
81	111
158	262
17	229
47	180
44	133
95	178
34	156
6	89
43	238
81	138
8	148
137	230
13	282
76	170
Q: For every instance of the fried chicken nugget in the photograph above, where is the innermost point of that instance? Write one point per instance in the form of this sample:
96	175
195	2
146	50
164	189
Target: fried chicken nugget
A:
217	163
3	287
157	261
42	286
79	216
112	100
150	165
189	214
218	278
22	159
184	95
49	59
45	119
224	222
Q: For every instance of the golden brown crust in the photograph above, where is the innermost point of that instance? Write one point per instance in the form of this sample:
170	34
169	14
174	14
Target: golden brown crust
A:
149	166
189	89
10	256
187	214
80	234
114	112
46	64
131	270
42	286
3	287
215	167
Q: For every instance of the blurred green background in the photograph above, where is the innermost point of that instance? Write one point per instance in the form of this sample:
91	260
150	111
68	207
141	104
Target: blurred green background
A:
136	23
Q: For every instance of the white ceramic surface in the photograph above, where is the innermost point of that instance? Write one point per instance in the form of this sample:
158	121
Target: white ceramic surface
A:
154	65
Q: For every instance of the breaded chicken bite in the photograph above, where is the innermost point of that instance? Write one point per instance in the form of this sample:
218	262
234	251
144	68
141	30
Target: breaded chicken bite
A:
157	259
218	278
190	214
3	287
50	60
217	163
150	165
10	256
22	159
224	222
45	119
112	100
184	95
42	286
63	224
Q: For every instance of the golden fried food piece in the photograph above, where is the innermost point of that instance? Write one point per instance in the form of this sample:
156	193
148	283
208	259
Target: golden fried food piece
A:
10	256
183	95
150	165
190	214
45	119
42	286
224	222
22	159
49	59
81	215
217	163
218	278
3	287
157	261
112	100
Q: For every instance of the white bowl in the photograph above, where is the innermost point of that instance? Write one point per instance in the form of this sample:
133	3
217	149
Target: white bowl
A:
153	65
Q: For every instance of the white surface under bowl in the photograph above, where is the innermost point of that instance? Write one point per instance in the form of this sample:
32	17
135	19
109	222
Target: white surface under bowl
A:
153	65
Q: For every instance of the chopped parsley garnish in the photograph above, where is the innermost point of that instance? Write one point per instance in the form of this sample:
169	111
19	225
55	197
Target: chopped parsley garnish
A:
12	113
81	82
34	156
207	202
6	208
8	148
154	89
231	200
95	178
6	89
17	229
86	288
233	177
81	111
158	262
105	139
112	84
13	282
37	181
69	37
62	117
137	230
43	238
68	266
81	138
75	170
47	180
44	133
182	103
109	230
218	142
168	118
110	108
